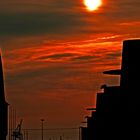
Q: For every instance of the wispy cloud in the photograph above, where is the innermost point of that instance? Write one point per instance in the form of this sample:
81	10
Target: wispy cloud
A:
55	51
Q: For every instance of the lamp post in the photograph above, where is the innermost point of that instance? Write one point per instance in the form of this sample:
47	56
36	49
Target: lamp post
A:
80	132
42	120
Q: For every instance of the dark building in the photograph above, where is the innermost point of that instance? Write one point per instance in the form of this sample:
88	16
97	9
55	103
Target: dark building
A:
83	133
117	113
3	107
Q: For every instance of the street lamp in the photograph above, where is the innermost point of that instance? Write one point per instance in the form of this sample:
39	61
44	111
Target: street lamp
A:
80	127
42	120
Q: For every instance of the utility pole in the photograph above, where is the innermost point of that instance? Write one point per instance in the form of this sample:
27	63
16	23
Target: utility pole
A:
42	127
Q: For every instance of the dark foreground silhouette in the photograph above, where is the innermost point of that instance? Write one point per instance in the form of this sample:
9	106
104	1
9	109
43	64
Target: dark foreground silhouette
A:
3	107
117	114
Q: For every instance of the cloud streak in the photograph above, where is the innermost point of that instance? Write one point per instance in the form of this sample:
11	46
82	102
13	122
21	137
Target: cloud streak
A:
55	51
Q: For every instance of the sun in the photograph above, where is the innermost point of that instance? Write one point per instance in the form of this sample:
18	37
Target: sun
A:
92	4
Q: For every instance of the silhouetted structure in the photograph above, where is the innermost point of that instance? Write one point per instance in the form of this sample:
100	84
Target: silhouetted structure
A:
117	114
83	133
17	134
3	107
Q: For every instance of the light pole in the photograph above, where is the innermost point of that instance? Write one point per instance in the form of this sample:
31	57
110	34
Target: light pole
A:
42	120
80	132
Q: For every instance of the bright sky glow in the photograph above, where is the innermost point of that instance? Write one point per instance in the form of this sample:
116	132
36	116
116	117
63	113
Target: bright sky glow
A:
92	4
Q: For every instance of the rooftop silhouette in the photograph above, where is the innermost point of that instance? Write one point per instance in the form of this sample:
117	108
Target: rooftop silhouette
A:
117	114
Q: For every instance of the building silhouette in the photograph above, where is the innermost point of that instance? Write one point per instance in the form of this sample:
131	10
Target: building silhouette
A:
117	114
3	107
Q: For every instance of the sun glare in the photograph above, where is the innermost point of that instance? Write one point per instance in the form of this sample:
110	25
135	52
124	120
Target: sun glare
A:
92	4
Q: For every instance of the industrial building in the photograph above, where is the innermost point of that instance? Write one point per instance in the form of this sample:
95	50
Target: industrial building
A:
3	107
117	114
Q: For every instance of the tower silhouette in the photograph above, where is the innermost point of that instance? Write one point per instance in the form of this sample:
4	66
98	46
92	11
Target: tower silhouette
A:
3	107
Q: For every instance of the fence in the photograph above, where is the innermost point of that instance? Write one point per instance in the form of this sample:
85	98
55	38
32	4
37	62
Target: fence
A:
49	134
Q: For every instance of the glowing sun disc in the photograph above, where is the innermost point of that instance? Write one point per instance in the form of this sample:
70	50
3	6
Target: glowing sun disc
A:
92	4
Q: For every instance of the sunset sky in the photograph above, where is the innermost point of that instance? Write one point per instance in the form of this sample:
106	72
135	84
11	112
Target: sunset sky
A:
54	53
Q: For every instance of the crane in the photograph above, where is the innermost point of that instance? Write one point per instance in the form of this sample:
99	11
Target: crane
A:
17	134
